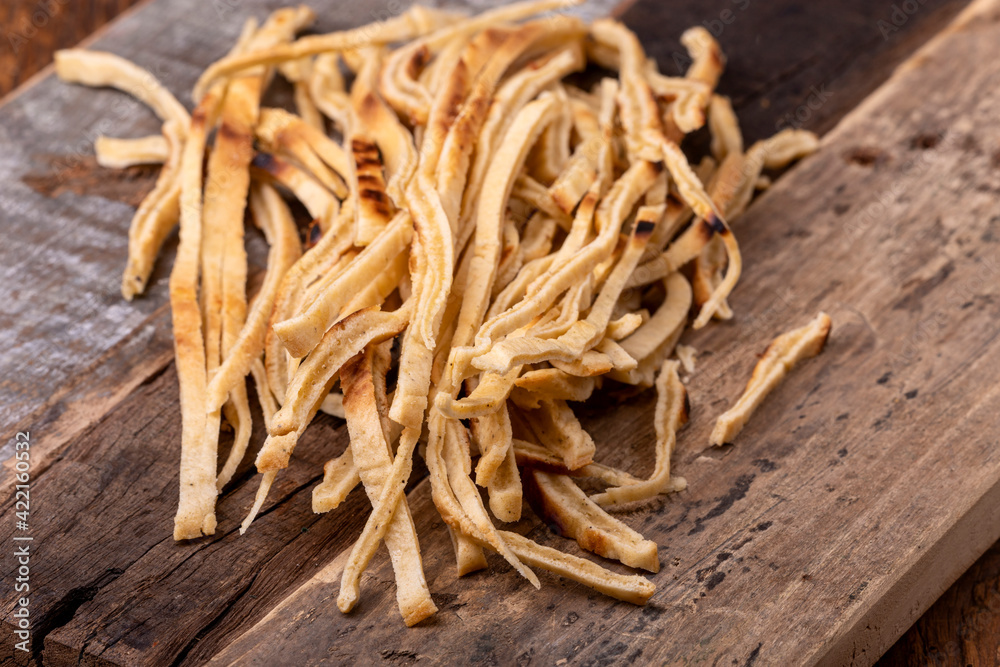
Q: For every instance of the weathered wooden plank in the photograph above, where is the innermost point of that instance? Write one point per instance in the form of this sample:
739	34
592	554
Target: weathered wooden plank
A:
112	559
822	534
961	628
76	406
169	390
61	257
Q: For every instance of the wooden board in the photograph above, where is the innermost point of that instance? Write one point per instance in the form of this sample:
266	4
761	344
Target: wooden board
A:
822	534
108	607
962	627
34	30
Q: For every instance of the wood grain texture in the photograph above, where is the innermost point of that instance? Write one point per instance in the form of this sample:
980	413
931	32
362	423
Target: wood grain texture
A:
62	255
84	603
962	627
34	29
798	64
137	597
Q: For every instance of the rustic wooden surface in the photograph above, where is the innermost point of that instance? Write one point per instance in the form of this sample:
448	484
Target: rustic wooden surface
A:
91	606
782	56
962	627
34	29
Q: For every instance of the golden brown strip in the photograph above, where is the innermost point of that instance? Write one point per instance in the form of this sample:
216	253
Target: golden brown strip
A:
628	588
374	207
373	459
317	199
196	507
505	489
498	183
530	455
493	434
302	333
781	356
583	334
375	119
416	21
313	264
458	466
97	68
671	413
707	59
562	504
313	378
114	153
552	383
156	216
399	81
284	132
610	214
279	228
513	94
558	429
224	260
340	476
443	450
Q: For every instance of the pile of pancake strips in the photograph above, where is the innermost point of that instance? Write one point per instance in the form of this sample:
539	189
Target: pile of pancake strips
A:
490	243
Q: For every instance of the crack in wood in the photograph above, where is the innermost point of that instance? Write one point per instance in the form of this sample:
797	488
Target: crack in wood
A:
65	609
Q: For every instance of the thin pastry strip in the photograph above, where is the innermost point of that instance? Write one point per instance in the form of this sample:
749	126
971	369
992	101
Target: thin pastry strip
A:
781	356
97	68
318	200
363	379
279	228
155	218
312	379
224	259
312	265
531	455
561	503
301	334
537	385
196	506
114	153
399	78
557	428
583	334
610	214
281	131
415	21
340	477
444	468
375	119
626	587
671	413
